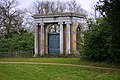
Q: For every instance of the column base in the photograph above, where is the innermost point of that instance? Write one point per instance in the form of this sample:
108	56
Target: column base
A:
35	55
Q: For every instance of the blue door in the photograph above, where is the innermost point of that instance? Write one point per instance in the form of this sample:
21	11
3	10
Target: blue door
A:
53	43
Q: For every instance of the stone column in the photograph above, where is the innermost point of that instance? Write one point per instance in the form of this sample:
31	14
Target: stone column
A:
36	41
74	25
61	37
42	39
68	38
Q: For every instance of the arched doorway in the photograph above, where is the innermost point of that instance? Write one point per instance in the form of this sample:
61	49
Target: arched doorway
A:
53	39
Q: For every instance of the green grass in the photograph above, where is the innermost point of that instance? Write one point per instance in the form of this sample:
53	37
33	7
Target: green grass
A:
53	60
60	60
52	72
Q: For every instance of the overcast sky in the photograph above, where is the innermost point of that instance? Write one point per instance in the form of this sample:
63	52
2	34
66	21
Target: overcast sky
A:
86	4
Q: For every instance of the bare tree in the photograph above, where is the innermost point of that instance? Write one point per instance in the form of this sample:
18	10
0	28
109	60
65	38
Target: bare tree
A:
73	6
44	7
61	6
11	17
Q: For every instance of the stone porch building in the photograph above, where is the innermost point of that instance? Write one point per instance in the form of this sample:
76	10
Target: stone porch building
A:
56	33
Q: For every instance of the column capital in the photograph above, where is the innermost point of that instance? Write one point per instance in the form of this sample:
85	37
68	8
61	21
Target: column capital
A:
60	23
42	24
68	22
38	24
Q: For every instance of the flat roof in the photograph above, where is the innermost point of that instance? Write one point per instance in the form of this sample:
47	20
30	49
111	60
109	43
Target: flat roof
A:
51	15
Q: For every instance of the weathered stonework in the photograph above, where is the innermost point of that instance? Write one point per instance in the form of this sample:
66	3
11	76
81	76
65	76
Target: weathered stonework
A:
67	23
74	25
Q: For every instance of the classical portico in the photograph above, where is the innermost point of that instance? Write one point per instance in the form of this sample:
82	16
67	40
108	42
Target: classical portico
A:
56	33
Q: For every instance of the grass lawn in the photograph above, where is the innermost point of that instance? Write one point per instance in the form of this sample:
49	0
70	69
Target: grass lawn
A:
60	60
53	72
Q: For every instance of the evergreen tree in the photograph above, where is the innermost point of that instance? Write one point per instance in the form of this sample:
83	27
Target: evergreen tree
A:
110	9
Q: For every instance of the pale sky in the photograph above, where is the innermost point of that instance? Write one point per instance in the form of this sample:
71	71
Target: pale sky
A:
85	4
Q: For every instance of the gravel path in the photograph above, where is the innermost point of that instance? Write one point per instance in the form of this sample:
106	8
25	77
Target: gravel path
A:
83	66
